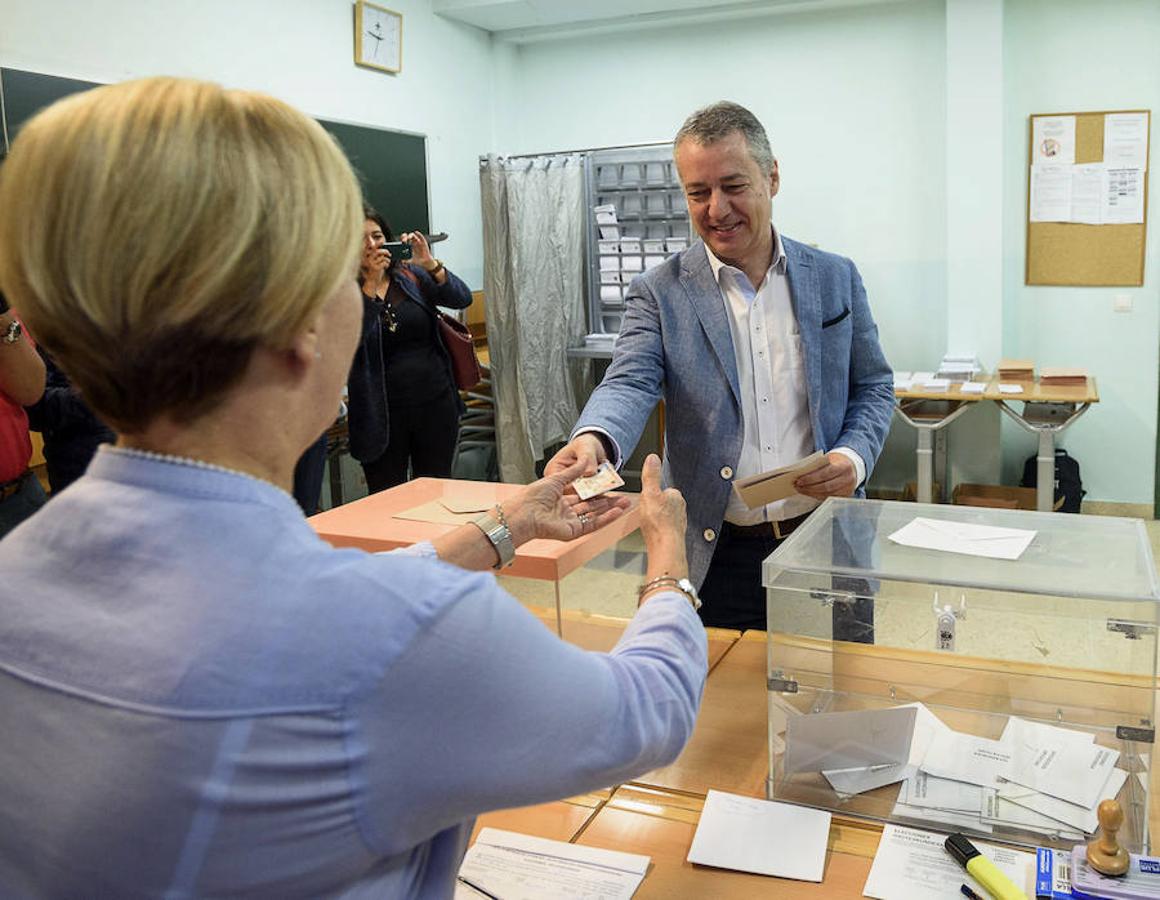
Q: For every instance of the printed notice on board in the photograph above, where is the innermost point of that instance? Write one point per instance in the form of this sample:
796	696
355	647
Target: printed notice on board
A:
1051	193
1053	141
1126	140
1124	197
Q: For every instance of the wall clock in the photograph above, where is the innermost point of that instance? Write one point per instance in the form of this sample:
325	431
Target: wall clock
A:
378	37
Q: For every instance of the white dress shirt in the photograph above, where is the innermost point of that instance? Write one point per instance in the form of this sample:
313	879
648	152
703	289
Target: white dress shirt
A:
771	375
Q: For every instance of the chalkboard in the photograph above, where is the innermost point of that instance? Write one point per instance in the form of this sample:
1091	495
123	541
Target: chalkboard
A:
391	165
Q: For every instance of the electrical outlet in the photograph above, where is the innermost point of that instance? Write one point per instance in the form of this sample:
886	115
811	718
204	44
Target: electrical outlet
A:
1122	302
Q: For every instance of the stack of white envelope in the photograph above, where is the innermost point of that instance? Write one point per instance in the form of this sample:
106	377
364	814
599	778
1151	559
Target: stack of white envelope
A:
1036	777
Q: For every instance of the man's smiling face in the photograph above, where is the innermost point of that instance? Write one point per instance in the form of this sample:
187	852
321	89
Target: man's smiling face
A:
729	199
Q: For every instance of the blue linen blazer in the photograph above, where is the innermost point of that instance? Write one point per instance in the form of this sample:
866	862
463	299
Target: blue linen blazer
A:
675	342
369	419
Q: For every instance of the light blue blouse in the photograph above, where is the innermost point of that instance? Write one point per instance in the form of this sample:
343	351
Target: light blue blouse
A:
201	698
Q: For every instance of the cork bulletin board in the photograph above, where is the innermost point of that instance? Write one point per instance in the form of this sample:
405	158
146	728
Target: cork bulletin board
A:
1074	254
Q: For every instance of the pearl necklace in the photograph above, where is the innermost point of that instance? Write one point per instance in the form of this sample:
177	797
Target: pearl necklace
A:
171	459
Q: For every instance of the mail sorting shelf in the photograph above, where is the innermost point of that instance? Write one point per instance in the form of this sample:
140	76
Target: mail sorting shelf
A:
641	183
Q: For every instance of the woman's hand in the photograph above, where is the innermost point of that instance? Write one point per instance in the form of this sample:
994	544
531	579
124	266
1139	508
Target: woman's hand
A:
420	251
544	510
375	260
662	524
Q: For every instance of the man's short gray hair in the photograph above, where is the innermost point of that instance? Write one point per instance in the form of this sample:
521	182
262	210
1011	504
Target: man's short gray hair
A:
716	122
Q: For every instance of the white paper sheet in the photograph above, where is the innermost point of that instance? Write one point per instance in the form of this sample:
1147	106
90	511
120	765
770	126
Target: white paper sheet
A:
1088	188
935	384
520	867
961	537
760	836
1126	140
611	293
630	245
1051	193
1010	389
966	757
972	387
630	263
1057	762
915	865
952	820
1053	140
1123	197
1000	811
609	232
1069	813
932	792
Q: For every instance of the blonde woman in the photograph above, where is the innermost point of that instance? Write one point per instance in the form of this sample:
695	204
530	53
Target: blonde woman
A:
199	697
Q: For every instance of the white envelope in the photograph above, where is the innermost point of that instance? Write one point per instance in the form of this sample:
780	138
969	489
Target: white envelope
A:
998	811
1071	814
962	537
630	263
966	757
931	792
847	740
867	778
1069	769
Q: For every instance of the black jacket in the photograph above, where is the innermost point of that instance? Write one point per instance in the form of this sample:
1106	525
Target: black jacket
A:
368	417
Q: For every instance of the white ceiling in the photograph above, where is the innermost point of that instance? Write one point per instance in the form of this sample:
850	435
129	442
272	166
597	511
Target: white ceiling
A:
525	21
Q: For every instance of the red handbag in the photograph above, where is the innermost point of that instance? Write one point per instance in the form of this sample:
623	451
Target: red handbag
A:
457	339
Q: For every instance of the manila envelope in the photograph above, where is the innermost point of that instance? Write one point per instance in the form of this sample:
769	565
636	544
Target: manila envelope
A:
777	484
848	740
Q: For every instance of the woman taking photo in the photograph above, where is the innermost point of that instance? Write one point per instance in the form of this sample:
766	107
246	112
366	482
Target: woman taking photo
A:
404	405
199	697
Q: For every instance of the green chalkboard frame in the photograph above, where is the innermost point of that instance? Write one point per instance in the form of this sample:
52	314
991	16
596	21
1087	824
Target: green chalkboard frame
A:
392	165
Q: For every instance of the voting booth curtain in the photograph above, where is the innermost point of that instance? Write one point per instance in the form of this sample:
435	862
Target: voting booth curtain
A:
533	243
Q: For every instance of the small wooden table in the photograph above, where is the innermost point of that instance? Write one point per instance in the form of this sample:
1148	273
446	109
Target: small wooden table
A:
1048	410
928	411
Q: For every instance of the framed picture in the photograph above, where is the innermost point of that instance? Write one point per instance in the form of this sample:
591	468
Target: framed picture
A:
378	37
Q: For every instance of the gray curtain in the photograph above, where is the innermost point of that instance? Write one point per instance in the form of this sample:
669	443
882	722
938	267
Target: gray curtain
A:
533	274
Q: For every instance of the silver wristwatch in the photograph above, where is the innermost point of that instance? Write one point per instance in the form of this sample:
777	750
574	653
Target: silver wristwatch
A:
500	536
12	333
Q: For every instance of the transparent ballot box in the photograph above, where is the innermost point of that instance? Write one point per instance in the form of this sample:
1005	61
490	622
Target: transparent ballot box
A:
910	681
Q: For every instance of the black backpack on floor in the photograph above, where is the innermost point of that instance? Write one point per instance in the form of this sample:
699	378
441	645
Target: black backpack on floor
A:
1067	481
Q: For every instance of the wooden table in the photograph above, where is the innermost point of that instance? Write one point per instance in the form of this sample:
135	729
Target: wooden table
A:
1048	410
927	412
728	750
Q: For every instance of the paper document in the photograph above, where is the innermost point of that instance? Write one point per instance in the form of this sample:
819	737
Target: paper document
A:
929	791
1051	194
961	537
1010	389
966	757
1058	762
776	484
973	387
760	836
1123	197
1053	140
1087	193
956	821
998	811
914	865
1126	140
847	740
605	479
520	867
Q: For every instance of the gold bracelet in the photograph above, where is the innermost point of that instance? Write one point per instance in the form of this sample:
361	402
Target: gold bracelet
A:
655	583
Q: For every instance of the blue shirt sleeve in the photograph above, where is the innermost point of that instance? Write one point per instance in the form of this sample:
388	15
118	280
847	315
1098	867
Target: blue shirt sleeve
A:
488	709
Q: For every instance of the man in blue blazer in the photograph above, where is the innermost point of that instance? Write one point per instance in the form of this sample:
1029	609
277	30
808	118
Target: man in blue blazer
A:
764	351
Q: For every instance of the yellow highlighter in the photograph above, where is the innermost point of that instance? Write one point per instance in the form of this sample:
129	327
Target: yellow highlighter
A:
993	881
